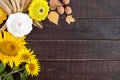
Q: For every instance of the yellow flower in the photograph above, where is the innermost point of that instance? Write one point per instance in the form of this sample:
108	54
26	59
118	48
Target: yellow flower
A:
33	67
9	47
38	10
3	16
26	55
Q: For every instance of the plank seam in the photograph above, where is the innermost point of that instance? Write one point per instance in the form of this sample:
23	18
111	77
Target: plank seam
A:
118	40
77	60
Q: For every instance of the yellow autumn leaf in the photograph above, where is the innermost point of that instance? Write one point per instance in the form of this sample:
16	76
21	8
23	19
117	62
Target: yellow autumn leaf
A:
53	17
70	19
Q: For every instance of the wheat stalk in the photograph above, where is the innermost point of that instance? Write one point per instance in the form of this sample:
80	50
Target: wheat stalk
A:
9	4
5	7
17	2
14	5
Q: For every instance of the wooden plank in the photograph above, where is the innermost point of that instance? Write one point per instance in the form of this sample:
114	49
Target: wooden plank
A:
81	70
96	8
82	29
76	49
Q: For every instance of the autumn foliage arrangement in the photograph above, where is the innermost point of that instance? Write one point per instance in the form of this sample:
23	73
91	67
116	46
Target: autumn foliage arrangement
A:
18	18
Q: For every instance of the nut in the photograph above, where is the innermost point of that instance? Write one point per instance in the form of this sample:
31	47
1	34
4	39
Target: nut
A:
68	10
60	10
66	2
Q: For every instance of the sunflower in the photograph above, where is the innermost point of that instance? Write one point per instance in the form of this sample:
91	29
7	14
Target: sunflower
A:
38	9
26	55
33	67
9	47
3	16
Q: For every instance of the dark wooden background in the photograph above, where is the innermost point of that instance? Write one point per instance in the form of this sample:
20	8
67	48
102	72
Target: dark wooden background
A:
88	49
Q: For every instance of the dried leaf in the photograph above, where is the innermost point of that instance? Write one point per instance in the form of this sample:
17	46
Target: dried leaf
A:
54	4
70	19
53	17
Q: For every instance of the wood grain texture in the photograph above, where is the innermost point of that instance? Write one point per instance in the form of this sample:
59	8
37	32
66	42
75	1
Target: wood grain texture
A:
83	29
85	50
79	70
76	49
96	8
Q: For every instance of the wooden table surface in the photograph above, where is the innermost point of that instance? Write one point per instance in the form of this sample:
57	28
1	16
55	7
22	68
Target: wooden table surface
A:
88	49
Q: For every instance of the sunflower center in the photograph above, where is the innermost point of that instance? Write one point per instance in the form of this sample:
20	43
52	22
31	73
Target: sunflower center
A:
8	48
31	66
25	57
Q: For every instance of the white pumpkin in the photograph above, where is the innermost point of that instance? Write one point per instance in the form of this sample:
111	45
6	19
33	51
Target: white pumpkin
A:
19	24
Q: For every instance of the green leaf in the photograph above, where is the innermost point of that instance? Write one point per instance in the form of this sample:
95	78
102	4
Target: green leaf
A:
2	65
23	75
9	77
2	68
16	68
1	71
